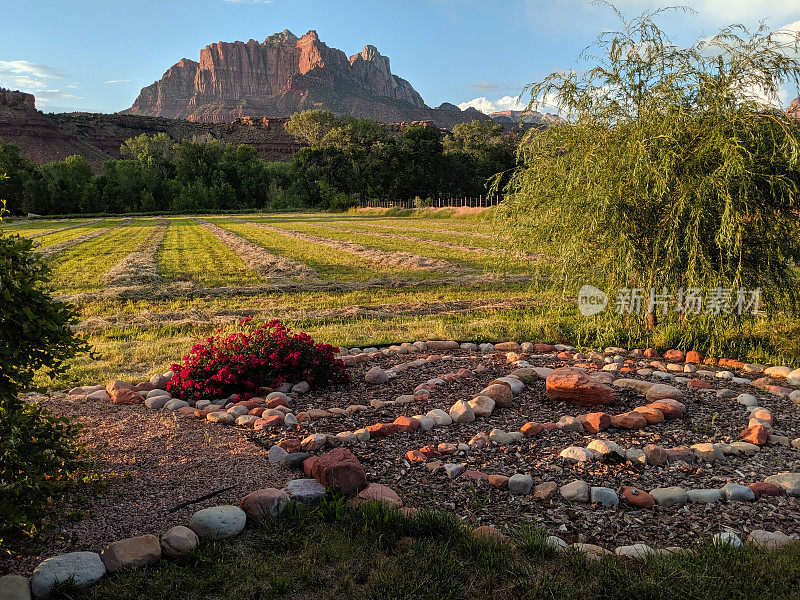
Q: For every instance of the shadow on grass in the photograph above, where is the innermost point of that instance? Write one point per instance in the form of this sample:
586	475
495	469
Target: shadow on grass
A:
373	552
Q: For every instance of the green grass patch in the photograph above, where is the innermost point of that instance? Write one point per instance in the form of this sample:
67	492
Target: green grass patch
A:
51	239
473	260
376	553
330	263
83	266
192	253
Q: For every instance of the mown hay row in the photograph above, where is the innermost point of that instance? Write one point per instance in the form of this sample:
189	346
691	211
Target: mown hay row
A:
147	319
474	234
66	244
140	266
60	229
411	238
405	260
186	289
258	259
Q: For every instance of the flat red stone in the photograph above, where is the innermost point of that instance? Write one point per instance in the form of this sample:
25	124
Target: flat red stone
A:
762	488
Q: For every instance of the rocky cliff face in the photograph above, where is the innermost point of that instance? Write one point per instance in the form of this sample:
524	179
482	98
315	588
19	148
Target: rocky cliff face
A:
37	136
794	108
282	75
98	137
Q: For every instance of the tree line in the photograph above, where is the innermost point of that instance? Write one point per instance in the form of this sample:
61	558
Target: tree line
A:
346	161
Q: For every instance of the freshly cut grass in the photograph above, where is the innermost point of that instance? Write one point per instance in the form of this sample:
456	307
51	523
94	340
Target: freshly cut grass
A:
83	267
387	257
461	258
331	263
56	242
258	259
139	267
35	233
192	253
432	230
452	239
31	225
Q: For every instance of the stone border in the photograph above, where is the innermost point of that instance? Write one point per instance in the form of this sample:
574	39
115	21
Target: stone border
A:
340	469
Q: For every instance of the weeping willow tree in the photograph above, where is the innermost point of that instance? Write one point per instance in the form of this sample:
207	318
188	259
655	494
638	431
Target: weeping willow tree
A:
673	168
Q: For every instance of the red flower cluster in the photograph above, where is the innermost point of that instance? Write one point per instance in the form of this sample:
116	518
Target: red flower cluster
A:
244	362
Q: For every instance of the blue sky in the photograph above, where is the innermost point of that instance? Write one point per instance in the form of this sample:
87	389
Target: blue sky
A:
95	55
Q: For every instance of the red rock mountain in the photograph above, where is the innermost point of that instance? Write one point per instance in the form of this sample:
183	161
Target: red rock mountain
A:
794	108
285	74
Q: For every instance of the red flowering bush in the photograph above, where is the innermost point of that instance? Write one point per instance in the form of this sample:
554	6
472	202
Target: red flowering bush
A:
245	361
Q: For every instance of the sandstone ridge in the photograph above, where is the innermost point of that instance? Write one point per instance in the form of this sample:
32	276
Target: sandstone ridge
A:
285	74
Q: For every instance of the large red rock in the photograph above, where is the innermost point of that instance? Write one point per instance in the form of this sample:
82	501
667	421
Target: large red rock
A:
268	422
762	488
375	492
636	497
577	387
694	357
125	396
341	470
531	428
674	356
756	434
596	421
406	424
500	393
698	384
653	415
671	409
269	501
118	385
629	420
283	75
382	429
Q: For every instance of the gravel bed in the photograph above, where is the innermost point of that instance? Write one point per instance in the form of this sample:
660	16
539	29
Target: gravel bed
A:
155	462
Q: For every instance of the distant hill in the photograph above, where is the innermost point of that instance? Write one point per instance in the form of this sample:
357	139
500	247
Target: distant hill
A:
98	137
285	74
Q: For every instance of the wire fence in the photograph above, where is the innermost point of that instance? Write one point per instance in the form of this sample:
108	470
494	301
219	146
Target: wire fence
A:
466	201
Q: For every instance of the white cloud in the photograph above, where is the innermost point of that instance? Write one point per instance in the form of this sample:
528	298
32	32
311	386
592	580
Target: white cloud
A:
45	96
487	106
722	12
34	78
23	68
116	81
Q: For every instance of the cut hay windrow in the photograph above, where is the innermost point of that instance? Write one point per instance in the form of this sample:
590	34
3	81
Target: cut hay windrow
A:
384	258
409	238
402	226
258	259
38	234
140	266
149	319
90	235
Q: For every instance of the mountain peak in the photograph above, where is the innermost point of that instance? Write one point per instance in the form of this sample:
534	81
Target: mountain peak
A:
285	37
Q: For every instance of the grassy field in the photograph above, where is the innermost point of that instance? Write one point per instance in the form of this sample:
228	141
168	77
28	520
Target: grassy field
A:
353	279
375	553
